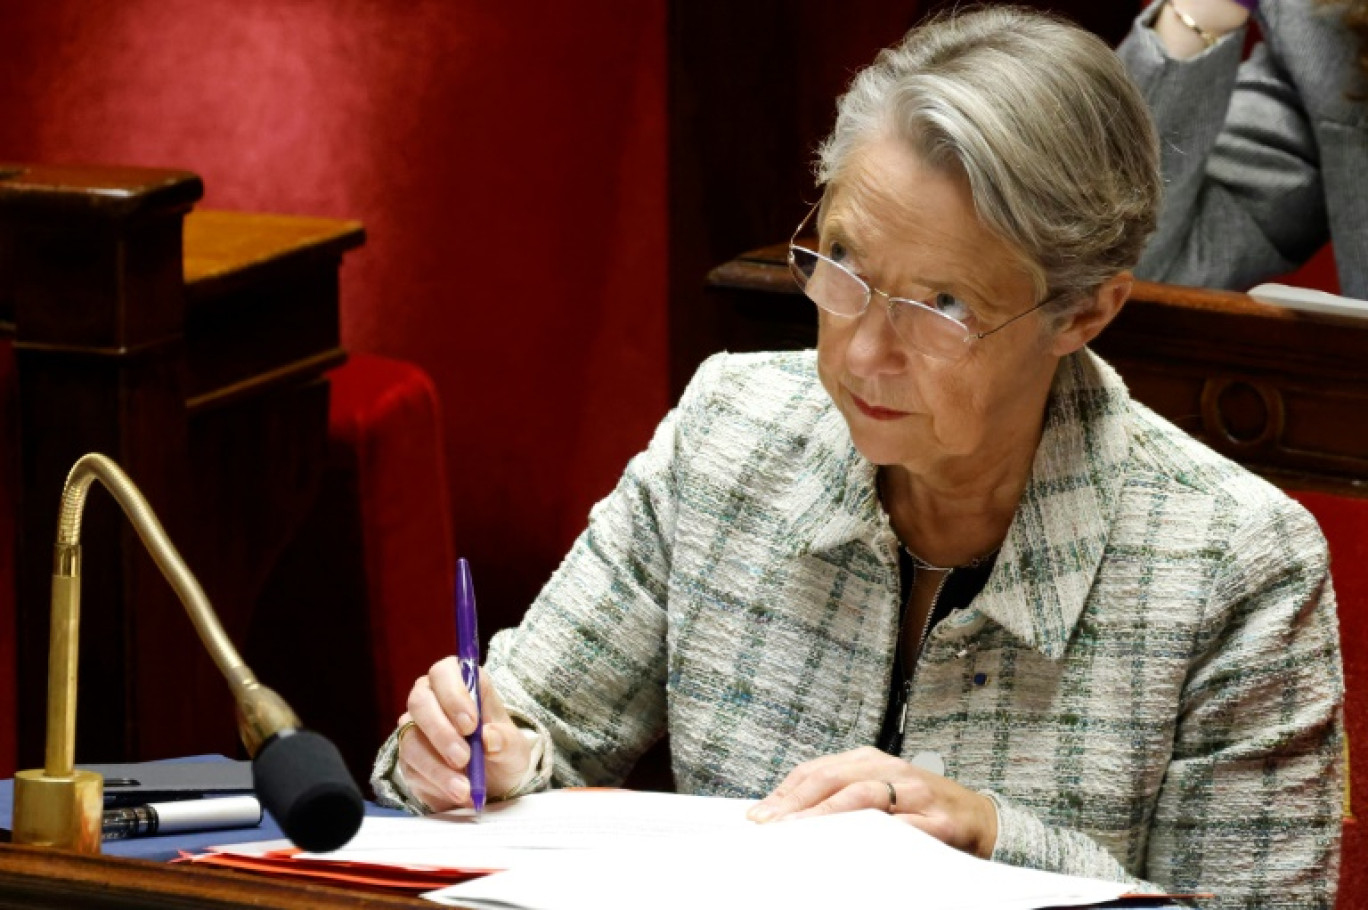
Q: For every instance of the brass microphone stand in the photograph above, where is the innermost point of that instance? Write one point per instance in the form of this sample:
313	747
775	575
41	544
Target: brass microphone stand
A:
59	805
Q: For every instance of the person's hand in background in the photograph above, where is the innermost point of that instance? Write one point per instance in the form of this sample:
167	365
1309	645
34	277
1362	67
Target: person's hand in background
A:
1188	27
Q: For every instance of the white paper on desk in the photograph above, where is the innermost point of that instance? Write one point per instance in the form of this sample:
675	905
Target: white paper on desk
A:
253	848
853	859
519	832
1309	299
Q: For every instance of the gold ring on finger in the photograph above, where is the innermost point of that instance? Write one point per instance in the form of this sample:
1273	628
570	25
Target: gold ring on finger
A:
892	796
403	729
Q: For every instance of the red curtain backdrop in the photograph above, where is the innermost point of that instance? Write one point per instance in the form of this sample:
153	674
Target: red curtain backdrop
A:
508	160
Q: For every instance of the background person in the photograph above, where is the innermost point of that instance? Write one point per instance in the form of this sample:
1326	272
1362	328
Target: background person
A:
1265	161
1083	641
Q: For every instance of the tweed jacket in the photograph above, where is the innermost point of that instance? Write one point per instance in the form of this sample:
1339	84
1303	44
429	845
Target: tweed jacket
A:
1264	162
1147	687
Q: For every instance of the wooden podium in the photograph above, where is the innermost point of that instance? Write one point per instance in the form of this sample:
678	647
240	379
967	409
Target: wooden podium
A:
192	348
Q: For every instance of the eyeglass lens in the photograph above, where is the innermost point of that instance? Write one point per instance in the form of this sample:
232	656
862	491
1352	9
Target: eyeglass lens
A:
841	293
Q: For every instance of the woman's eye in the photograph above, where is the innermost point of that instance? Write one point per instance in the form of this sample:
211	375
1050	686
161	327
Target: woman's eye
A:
838	252
950	305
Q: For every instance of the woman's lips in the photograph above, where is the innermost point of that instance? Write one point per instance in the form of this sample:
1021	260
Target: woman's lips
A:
874	412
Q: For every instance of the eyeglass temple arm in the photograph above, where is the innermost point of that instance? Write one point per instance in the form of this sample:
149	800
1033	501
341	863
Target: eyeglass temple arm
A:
797	232
979	336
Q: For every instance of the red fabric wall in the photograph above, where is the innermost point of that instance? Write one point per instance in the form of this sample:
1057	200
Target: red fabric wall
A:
508	161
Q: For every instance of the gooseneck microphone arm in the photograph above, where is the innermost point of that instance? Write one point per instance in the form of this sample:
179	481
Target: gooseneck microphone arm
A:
299	775
262	713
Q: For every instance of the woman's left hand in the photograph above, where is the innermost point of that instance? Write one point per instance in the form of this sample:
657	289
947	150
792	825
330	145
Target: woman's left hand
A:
862	778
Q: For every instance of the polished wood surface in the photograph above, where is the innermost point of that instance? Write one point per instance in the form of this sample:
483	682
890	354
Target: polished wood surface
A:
247	277
223	247
1283	392
192	348
37	879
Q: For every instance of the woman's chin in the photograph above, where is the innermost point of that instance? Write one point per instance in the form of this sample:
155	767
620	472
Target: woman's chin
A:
881	451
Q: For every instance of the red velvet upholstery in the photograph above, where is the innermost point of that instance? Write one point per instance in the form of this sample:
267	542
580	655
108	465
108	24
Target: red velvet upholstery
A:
386	415
1345	523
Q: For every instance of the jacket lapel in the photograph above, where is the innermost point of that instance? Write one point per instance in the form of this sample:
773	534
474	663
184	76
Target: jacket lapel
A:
834	499
1054	546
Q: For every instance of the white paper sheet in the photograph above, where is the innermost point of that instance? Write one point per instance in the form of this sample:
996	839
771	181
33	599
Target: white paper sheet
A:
853	859
1309	299
519	832
605	850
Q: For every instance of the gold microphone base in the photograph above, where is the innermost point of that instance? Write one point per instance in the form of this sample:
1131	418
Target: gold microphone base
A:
63	812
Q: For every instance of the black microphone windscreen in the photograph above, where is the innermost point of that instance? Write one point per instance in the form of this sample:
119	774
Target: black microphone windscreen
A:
301	780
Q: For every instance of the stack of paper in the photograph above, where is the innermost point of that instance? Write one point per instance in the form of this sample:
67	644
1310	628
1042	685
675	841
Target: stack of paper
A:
608	849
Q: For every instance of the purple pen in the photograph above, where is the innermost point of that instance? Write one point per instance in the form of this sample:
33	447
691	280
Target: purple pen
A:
468	655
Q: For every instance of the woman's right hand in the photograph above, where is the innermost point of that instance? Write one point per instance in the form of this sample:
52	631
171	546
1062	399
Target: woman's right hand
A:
433	754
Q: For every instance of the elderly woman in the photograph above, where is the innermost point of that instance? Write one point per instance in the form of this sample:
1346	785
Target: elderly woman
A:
944	566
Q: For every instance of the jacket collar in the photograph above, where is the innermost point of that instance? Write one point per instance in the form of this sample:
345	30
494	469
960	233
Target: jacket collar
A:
1054	546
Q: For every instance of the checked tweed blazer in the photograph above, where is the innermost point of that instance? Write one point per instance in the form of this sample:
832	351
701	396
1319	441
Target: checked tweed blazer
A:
1148	686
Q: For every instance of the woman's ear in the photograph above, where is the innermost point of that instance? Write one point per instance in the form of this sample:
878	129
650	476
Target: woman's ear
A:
1092	316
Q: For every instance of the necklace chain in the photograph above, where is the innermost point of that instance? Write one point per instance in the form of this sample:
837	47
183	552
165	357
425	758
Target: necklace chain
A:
923	565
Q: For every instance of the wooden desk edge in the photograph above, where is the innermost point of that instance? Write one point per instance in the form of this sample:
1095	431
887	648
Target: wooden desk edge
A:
35	877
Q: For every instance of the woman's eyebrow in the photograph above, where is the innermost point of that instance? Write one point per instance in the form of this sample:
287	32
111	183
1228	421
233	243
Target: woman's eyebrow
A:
964	295
967	293
964	292
835	229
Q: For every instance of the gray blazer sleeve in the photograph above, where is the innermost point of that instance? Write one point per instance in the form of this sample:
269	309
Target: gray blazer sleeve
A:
1243	194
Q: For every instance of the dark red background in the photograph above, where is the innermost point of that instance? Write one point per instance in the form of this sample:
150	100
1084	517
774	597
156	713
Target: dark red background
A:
510	163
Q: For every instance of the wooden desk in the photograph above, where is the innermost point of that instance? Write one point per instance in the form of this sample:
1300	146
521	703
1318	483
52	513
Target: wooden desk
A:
34	879
1284	393
192	348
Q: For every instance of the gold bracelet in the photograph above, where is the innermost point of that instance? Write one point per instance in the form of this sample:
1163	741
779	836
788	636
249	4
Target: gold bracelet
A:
1207	37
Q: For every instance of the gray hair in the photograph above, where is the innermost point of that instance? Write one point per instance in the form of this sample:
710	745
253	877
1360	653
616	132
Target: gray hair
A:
1056	142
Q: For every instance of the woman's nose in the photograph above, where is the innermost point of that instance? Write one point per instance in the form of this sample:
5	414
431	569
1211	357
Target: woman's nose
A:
874	345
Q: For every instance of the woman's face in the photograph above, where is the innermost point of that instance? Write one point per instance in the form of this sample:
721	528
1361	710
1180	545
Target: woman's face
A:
901	225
